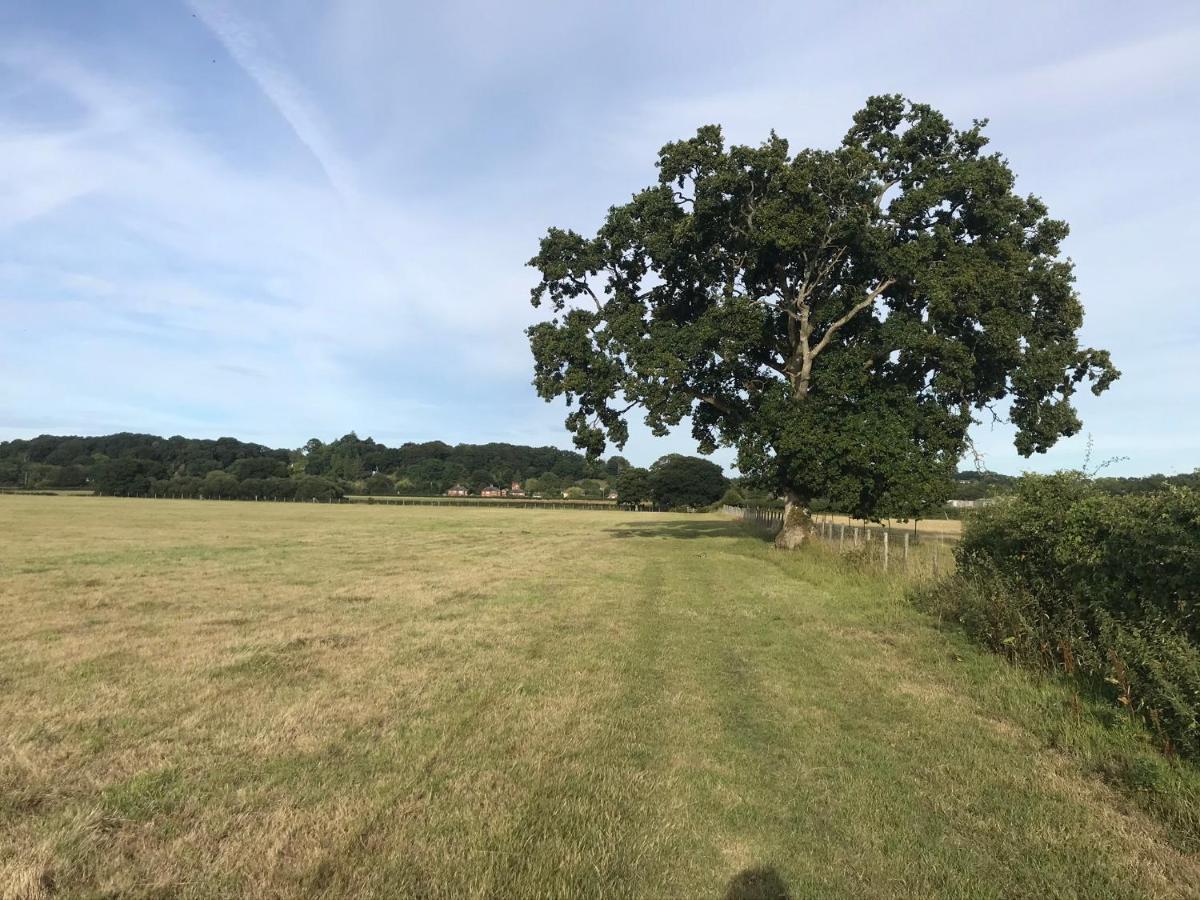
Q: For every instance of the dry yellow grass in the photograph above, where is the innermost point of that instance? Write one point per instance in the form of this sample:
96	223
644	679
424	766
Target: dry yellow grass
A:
220	699
946	527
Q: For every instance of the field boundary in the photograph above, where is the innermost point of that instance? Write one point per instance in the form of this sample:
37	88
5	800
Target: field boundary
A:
907	550
370	500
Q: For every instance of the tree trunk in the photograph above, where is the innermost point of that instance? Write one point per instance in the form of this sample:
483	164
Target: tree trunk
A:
797	523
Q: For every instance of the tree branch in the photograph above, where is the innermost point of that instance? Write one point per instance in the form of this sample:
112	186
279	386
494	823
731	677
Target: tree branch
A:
582	283
887	186
712	401
854	311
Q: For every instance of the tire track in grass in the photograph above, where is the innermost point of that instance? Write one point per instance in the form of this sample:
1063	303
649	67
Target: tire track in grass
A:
587	825
744	762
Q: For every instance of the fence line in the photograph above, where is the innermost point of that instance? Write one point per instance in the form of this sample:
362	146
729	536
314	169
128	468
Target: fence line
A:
409	501
874	543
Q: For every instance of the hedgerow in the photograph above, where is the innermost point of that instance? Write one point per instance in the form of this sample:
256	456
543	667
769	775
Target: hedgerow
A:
1104	587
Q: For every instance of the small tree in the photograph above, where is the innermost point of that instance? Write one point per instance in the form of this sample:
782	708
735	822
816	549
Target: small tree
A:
311	487
732	497
593	488
840	317
221	485
677	480
633	486
615	465
379	485
549	485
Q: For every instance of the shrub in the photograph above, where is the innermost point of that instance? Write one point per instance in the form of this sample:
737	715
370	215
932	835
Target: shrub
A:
732	497
686	481
379	485
313	487
1105	587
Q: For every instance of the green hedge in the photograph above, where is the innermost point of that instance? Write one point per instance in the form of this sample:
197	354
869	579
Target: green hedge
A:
1104	587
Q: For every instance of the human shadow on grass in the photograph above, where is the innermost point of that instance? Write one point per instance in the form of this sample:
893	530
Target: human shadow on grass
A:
759	883
682	529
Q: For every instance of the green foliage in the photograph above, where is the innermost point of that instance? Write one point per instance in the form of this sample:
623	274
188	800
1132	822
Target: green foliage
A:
125	477
379	485
686	481
732	497
139	464
549	485
221	485
616	465
313	487
592	488
839	316
1063	575
633	486
1143	484
479	479
976	485
70	476
11	472
258	467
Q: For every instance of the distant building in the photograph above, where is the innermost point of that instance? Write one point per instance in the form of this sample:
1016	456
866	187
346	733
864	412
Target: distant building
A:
970	504
457	491
492	491
516	490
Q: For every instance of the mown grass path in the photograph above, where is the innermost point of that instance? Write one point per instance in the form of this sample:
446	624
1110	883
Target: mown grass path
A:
221	699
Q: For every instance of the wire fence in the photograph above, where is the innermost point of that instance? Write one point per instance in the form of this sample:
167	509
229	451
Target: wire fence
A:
910	551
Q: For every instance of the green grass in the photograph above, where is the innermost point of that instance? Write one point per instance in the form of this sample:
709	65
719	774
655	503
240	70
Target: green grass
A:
239	699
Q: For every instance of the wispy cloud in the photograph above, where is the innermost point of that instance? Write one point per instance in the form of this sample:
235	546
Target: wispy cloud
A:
222	217
133	248
252	49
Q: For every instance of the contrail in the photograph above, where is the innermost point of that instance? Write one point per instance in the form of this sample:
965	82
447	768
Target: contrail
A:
281	89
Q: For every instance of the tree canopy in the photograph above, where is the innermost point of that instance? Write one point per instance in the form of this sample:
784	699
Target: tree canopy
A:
841	317
686	481
144	464
633	485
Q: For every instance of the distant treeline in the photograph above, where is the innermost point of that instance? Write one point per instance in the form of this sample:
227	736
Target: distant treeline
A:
147	465
144	464
138	464
975	485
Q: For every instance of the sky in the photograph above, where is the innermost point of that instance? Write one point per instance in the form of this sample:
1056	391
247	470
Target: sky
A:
289	219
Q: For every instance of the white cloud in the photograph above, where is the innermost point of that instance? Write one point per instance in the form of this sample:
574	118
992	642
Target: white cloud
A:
348	250
159	255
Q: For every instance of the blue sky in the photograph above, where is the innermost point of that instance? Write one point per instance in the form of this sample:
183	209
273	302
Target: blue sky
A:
280	220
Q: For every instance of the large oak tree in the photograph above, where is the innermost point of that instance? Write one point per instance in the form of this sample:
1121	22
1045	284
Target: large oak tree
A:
840	317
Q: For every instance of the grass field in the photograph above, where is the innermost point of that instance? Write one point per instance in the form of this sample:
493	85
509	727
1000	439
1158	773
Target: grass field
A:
240	699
